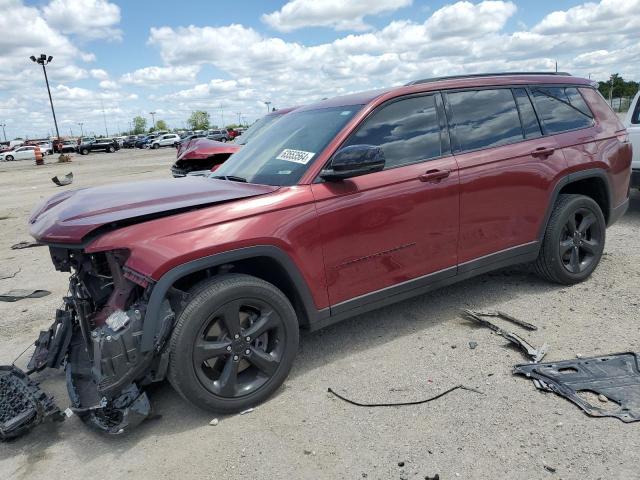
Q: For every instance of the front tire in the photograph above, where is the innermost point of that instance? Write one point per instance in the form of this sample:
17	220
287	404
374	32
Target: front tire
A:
573	241
9	158
156	146
233	344
112	149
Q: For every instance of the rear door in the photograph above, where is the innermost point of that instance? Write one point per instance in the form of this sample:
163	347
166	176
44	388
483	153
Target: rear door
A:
387	228
507	172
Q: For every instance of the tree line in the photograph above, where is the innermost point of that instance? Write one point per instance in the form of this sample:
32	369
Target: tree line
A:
198	120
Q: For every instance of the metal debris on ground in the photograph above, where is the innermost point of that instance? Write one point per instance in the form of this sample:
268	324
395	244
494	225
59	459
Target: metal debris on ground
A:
615	376
19	294
62	181
22	404
214	422
248	410
536	354
11	276
21	245
401	404
507	317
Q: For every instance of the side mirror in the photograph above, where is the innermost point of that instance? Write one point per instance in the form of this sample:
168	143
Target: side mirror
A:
353	161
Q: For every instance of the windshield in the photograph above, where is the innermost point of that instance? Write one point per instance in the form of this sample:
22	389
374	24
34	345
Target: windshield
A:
256	128
283	156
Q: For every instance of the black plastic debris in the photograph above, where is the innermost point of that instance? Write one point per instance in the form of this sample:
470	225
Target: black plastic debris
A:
535	354
402	404
615	376
62	181
19	294
23	405
21	245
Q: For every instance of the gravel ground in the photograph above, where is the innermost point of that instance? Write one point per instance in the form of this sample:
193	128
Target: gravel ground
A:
404	352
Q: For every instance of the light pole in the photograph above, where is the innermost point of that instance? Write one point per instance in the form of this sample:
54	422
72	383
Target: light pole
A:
3	132
44	60
267	104
81	129
239	114
153	119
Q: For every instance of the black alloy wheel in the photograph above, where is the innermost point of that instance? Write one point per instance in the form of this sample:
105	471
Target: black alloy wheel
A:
580	241
233	344
238	348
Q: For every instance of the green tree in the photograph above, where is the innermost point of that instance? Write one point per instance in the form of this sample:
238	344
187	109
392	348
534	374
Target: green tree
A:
139	125
161	125
199	120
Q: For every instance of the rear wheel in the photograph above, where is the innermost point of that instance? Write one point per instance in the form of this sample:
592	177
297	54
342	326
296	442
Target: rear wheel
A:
573	241
84	151
9	158
156	146
233	344
111	149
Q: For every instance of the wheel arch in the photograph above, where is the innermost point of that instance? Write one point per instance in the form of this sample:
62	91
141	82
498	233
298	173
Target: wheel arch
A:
267	262
592	183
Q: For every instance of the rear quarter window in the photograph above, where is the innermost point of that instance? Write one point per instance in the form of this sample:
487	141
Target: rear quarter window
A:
484	118
561	108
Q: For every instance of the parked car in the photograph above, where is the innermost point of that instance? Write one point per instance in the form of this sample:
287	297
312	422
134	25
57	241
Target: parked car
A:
46	148
129	142
632	122
166	140
82	140
349	204
24	152
101	144
144	141
66	146
218	135
200	156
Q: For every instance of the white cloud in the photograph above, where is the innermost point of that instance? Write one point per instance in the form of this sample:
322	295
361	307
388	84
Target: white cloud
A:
608	16
469	20
99	74
338	14
161	75
90	19
109	85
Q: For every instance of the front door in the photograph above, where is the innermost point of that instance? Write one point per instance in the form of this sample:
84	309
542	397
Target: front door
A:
392	227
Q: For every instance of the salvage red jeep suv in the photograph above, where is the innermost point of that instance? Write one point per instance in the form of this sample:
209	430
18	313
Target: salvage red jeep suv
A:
351	203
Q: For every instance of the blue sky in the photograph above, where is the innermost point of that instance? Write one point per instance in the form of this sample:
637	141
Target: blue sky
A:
140	56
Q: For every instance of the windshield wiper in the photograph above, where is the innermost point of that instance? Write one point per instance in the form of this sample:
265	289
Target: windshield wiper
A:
233	178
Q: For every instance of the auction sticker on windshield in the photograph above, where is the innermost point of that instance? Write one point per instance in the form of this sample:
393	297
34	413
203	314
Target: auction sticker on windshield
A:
297	156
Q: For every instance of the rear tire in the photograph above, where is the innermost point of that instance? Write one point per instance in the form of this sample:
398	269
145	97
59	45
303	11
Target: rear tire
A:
9	158
573	241
156	146
84	151
233	344
111	149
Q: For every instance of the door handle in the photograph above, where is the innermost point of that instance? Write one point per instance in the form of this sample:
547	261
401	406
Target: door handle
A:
543	152
434	175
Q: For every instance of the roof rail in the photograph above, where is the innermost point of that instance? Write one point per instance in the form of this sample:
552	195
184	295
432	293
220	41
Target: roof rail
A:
475	75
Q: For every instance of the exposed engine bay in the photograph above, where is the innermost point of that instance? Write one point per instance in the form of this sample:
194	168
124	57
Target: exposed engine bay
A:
97	336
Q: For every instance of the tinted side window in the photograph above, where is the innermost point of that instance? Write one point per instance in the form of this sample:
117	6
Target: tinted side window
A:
561	108
484	118
406	130
530	124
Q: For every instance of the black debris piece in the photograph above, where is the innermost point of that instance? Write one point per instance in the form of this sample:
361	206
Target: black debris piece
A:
435	477
22	404
535	354
21	245
5	277
19	294
52	344
616	376
509	318
62	181
401	404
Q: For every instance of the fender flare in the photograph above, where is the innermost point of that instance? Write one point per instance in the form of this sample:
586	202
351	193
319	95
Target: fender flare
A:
153	317
568	179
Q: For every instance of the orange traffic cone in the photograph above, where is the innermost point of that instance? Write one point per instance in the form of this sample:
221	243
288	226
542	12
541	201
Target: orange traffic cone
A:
39	157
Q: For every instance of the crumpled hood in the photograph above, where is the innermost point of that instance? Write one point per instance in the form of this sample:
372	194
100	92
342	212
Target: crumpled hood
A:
70	216
201	148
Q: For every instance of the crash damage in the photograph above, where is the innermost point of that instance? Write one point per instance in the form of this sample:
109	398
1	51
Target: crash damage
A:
97	339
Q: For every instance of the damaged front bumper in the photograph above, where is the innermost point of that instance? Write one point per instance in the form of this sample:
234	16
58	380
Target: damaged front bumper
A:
97	337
